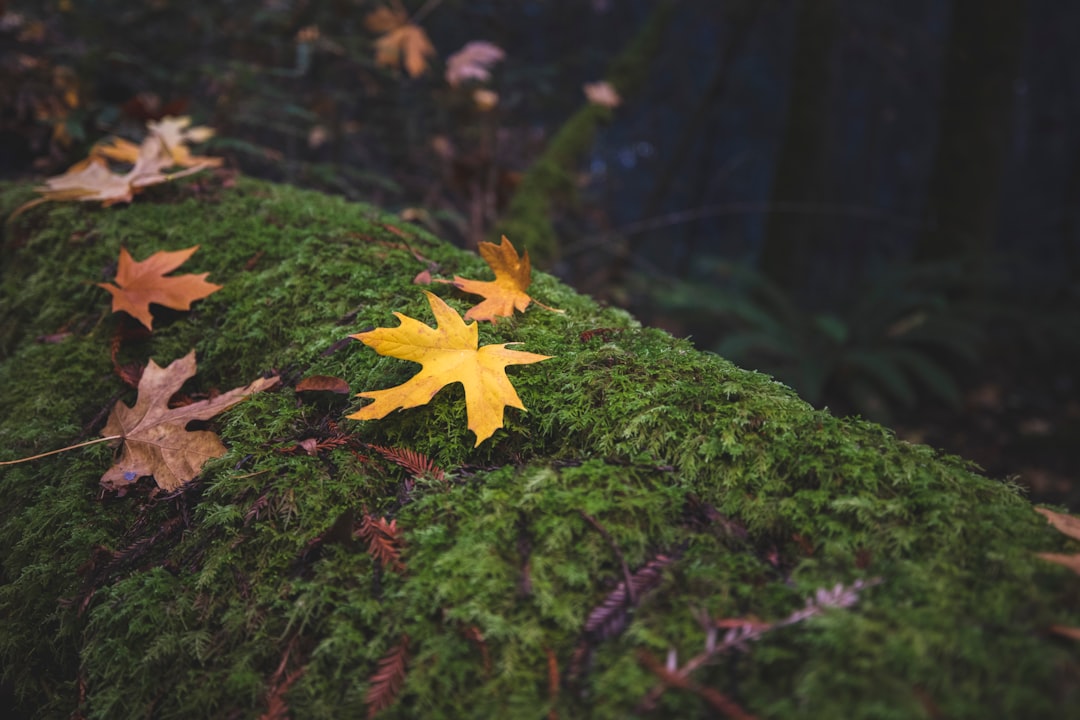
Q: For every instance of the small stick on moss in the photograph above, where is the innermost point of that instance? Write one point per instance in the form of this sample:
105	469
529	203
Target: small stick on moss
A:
553	682
63	449
630	594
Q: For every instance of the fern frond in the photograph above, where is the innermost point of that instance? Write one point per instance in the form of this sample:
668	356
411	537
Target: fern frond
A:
384	541
385	684
415	462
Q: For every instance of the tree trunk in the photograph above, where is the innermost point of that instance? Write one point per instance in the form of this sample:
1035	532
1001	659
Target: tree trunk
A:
981	64
801	162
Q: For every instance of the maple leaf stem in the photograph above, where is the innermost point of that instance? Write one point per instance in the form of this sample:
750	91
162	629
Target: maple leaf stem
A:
548	307
26	206
63	449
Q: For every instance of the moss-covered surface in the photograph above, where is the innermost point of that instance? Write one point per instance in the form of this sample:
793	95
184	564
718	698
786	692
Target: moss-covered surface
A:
186	606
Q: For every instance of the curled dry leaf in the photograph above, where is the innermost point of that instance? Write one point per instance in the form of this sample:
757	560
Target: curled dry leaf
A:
155	437
472	62
447	353
139	283
323	383
504	294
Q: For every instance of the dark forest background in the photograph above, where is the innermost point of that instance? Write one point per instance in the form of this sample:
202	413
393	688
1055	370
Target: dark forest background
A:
877	202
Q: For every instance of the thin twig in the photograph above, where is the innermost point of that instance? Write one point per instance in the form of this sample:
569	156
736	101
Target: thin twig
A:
424	11
63	449
627	578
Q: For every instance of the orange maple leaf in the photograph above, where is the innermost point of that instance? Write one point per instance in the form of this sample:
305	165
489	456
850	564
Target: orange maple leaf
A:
139	283
447	353
506	292
403	44
155	439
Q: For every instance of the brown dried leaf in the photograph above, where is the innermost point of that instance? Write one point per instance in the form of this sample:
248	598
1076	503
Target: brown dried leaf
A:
323	383
154	436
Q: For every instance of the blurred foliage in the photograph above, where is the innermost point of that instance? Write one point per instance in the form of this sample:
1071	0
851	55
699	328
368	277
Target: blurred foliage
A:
292	88
906	335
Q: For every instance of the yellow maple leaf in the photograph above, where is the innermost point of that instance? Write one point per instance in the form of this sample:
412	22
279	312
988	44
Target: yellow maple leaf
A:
504	294
403	44
448	353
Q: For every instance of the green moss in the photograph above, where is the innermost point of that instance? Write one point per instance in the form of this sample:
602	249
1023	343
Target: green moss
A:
184	606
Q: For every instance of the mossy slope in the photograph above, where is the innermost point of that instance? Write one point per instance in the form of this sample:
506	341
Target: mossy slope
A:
185	606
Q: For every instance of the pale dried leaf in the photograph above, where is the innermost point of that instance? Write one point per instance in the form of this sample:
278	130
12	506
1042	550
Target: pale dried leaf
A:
472	62
602	93
1070	561
1066	524
154	436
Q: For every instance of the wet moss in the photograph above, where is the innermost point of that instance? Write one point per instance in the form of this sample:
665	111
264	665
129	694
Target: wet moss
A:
185	606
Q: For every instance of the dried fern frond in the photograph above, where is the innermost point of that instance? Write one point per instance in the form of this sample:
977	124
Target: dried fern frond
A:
385	684
610	616
415	462
384	541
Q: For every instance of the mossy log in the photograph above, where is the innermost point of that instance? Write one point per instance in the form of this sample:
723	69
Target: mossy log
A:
715	490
